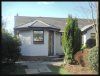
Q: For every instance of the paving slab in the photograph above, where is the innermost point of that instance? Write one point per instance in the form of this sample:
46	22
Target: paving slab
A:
36	67
44	69
32	66
53	63
31	71
25	63
41	65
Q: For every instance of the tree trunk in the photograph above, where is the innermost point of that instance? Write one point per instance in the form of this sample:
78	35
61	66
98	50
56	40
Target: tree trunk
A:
97	33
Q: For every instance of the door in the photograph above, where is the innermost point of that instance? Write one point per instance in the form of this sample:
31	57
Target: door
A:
51	43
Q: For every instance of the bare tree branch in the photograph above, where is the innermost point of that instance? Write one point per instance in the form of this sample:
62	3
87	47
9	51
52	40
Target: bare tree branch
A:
91	7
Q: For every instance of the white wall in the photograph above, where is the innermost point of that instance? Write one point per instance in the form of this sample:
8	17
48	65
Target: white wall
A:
57	44
28	48
84	39
87	35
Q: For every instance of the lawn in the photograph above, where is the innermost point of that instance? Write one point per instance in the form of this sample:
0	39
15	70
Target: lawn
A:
12	69
57	69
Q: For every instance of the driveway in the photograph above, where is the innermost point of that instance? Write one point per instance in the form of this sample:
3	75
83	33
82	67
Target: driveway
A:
37	67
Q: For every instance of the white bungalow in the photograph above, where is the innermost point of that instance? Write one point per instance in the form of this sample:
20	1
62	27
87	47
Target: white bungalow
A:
41	36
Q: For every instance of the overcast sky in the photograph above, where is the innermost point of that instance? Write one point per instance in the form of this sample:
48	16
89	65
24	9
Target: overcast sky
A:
43	9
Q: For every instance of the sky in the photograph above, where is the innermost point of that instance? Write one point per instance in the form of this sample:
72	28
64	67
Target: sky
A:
43	9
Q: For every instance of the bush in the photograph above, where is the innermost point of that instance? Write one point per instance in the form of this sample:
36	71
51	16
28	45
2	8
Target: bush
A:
71	39
10	48
77	40
90	43
93	58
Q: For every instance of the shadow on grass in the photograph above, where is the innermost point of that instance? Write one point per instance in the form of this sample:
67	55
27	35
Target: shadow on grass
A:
12	69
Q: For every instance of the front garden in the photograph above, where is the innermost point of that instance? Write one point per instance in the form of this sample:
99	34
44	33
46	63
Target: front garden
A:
77	60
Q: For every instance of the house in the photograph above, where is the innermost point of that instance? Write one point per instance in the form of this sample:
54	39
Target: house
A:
41	36
88	31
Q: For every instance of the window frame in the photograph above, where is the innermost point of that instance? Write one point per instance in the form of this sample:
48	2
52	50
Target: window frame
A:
93	36
38	42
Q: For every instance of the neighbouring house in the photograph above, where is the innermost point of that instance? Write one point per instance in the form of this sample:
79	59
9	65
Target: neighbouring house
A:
41	36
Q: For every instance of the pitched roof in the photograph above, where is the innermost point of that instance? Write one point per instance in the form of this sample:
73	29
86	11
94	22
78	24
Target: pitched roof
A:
55	22
86	27
37	23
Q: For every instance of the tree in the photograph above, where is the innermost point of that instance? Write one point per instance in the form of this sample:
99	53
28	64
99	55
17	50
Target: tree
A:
3	25
93	12
70	37
93	53
10	51
95	22
97	27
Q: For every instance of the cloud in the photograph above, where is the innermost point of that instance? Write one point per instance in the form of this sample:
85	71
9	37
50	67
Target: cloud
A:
45	3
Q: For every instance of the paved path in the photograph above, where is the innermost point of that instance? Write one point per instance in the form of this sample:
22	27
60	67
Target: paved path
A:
36	67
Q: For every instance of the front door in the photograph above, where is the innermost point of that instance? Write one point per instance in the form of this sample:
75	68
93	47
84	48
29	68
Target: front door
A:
51	43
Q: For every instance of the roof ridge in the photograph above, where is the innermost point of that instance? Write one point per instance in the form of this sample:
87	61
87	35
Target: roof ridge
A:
39	17
33	22
42	22
52	17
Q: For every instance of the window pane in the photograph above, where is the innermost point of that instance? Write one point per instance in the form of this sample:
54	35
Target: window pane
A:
38	35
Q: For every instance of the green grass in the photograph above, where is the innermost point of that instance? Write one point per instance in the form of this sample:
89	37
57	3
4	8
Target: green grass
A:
57	69
13	69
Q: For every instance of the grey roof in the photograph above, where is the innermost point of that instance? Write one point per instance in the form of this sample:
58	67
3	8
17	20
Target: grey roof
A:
36	23
54	22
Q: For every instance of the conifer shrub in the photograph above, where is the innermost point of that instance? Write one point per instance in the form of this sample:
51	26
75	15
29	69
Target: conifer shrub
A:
71	39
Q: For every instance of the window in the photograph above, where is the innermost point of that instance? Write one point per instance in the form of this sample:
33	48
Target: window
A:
38	36
93	35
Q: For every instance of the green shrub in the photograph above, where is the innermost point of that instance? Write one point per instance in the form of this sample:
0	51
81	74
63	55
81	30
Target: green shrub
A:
90	43
77	40
71	39
10	48
93	58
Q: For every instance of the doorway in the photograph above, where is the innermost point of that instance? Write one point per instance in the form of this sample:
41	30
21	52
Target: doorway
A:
51	43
